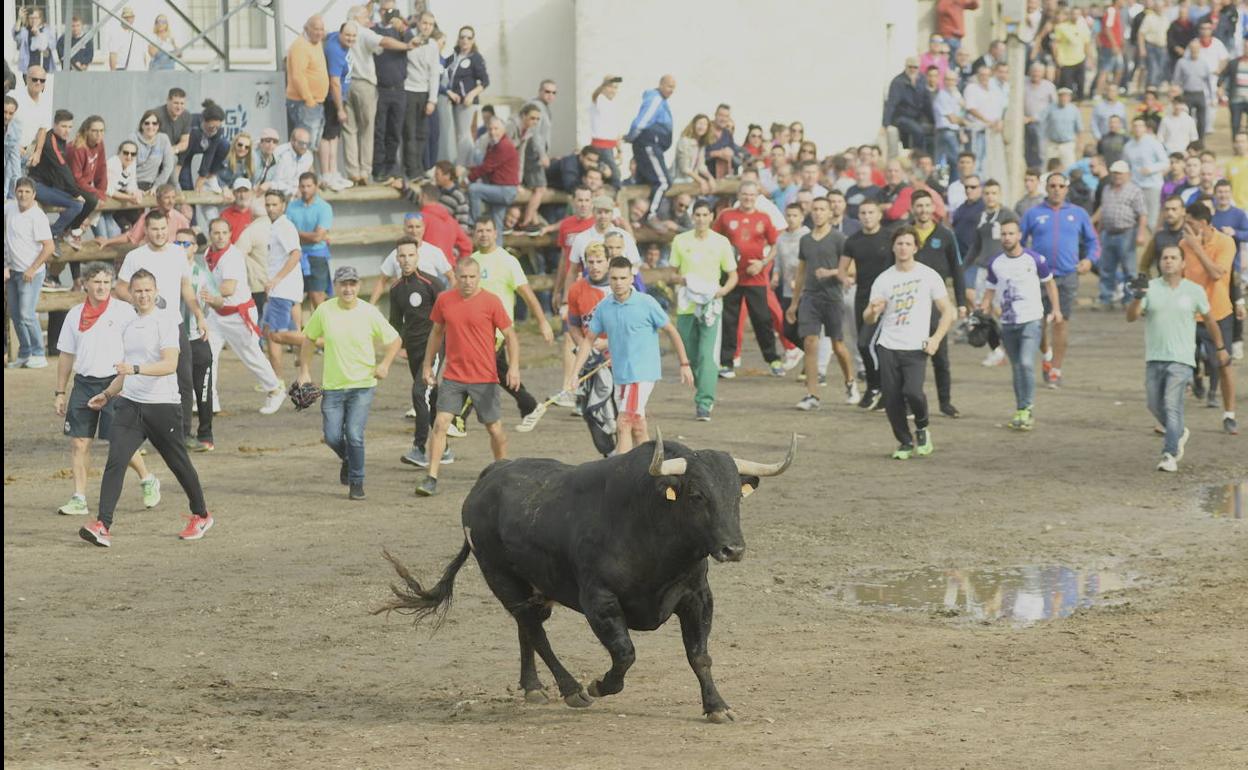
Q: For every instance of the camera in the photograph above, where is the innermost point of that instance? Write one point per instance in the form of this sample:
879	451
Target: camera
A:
1139	285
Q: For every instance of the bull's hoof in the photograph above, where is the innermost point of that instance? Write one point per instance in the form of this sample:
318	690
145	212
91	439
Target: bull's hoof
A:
536	697
594	692
721	717
578	700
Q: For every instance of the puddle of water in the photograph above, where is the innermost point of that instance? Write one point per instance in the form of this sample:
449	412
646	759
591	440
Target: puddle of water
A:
1226	501
1021	595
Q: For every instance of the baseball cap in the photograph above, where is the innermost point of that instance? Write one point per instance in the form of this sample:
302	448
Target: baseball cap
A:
1119	167
346	273
242	183
269	133
604	202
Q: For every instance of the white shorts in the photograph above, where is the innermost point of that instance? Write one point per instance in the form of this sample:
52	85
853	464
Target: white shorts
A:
631	399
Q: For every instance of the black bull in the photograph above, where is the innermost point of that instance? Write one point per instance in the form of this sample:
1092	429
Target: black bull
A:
623	541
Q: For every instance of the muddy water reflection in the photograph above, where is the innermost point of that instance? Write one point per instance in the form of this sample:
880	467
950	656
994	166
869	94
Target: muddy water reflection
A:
1226	501
1022	595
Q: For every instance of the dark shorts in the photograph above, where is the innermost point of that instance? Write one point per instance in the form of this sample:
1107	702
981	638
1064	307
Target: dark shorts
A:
820	312
81	421
1206	350
318	277
277	316
333	128
1067	292
534	176
484	395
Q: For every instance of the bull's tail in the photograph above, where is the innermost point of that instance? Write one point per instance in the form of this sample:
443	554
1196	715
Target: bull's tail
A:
418	602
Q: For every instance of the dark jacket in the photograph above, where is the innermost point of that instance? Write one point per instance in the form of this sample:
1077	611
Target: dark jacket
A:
965	221
84	56
1228	77
411	316
1178	36
907	100
53	169
391	65
467	75
940	253
215	149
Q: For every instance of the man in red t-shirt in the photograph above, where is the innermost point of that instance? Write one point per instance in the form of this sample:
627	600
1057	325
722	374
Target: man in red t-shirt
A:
753	236
468	319
1110	62
585	295
238	215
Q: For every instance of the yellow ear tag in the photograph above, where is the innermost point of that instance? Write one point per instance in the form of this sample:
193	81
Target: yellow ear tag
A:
746	490
670	494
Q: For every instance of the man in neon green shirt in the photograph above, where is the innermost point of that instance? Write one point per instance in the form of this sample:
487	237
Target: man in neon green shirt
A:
349	326
502	276
701	256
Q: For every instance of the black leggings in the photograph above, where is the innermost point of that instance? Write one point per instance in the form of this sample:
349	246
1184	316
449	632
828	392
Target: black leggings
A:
524	399
415	133
133	423
186	379
901	379
760	318
422	394
201	378
940	364
790	329
866	341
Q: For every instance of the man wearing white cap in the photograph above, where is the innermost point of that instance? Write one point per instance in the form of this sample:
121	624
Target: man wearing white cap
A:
1122	221
1060	127
127	50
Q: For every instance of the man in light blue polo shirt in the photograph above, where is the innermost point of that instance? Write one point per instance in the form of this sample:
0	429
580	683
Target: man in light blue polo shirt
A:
631	320
313	217
1147	157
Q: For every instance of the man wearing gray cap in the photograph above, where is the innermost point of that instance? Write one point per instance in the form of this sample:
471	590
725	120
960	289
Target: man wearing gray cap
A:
349	326
1122	221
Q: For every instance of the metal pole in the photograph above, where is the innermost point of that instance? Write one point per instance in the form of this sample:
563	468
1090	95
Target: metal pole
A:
203	35
279	36
190	23
96	26
225	33
140	34
1015	158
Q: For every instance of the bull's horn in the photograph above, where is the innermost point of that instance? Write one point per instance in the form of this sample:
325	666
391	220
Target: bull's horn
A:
660	467
751	468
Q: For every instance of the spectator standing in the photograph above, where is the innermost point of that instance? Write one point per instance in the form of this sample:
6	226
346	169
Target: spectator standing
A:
1169	305
496	180
547	92
27	247
951	22
753	236
160	55
1111	59
651	136
935	56
127	51
338	65
1123	223
424	71
605	123
1071	40
157	161
1061	129
985	109
948	110
1151	42
1213	53
1178	129
361	100
175	120
1193	77
1108	106
908	108
467	78
1112	142
313	218
391	67
702	258
350	328
36	43
1234	83
83	57
55	184
307	81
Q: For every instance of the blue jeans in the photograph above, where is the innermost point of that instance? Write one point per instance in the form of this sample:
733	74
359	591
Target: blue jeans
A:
299	115
1164	385
71	207
344	413
1117	260
1157	61
23	297
498	196
948	146
979	146
1022	345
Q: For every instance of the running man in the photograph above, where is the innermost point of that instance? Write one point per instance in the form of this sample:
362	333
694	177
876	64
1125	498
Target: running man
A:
147	407
901	303
1208	261
1169	305
90	346
1019	275
284	289
349	328
632	321
468	319
868	253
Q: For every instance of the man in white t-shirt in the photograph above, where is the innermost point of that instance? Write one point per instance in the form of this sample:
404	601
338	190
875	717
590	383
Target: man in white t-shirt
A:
90	346
234	320
127	50
604	215
431	259
167	262
27	247
280	320
901	302
34	111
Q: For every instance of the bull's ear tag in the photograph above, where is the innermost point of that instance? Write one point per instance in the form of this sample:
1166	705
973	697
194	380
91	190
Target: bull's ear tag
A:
670	494
746	490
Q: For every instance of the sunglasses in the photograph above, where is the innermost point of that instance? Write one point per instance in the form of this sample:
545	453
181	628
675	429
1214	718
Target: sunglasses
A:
267	139
184	244
38	80
242	146
971	186
128	154
465	37
151	122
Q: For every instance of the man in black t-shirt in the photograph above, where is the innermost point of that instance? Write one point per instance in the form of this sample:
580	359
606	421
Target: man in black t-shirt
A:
868	253
411	302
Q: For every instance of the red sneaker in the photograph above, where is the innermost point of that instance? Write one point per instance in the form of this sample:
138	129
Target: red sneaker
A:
196	527
95	532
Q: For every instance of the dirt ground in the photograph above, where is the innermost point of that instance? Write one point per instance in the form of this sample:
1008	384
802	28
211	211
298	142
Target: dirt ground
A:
254	646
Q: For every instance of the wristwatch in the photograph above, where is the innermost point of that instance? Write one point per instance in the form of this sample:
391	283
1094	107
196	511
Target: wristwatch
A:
58	392
136	368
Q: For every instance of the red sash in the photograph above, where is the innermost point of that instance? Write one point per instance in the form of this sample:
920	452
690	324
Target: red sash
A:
244	311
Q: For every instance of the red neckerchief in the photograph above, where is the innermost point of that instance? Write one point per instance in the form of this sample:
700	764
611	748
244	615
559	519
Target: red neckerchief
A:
213	257
92	314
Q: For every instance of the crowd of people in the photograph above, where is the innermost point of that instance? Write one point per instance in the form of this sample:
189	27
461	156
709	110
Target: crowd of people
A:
876	263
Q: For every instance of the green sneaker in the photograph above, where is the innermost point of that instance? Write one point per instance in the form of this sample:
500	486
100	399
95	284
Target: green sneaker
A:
925	447
1022	420
77	506
1029	422
151	492
903	452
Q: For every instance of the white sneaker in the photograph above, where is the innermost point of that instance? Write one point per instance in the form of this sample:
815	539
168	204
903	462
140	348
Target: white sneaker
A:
1168	464
1187	433
454	431
530	420
792	358
808	403
565	399
995	358
273	402
1237	350
410	413
736	362
16	363
36	362
852	396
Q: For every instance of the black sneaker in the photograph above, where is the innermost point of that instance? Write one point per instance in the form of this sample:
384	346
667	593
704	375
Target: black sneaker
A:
949	410
1198	386
342	474
357	491
428	487
870	399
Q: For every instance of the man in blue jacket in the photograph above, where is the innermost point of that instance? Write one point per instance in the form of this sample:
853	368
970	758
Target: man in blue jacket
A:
1063	233
651	135
1233	221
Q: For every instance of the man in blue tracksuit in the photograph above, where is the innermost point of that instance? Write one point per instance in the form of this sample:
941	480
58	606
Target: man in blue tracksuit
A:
1232	220
651	135
1063	233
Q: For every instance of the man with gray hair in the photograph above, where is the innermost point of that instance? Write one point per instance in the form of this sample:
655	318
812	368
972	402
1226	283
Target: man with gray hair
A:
753	235
497	179
357	129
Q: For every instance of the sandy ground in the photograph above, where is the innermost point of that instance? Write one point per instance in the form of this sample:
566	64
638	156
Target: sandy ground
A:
254	646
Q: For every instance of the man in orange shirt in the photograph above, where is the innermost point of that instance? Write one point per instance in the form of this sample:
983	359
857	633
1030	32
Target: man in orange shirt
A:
307	80
1208	256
